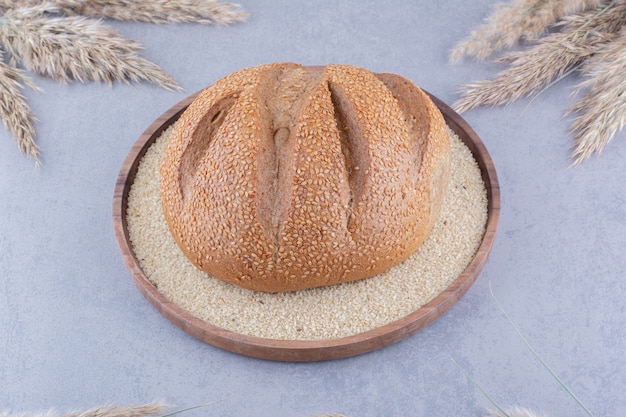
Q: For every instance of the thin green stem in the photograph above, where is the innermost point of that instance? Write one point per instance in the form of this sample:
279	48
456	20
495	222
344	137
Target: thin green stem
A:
533	8
559	78
172	413
536	355
477	385
553	82
577	66
598	13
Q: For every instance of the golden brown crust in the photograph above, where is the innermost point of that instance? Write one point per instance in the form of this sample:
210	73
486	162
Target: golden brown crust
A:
283	177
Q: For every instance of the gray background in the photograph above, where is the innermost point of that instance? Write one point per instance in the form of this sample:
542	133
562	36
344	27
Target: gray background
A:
75	332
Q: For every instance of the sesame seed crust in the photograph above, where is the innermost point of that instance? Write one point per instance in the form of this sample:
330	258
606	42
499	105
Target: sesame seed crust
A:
283	177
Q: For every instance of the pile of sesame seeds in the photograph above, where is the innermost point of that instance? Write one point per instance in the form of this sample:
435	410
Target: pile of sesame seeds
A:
321	313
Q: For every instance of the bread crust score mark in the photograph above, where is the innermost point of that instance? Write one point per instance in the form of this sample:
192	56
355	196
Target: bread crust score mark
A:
284	177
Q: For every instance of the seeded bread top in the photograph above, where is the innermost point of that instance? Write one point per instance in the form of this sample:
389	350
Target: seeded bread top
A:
283	177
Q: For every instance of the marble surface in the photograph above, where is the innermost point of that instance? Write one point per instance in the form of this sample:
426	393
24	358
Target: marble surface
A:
75	332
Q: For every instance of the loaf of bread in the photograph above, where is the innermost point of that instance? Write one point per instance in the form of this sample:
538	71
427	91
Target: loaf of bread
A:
283	177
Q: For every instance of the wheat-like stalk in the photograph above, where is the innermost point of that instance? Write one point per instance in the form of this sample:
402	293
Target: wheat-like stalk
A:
601	112
150	11
144	410
512	22
163	11
551	58
6	5
76	48
61	40
15	112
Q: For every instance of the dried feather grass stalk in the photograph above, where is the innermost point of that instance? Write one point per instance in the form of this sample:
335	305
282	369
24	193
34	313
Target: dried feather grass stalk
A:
145	410
551	58
602	109
6	5
75	48
15	112
516	21
58	39
152	11
163	11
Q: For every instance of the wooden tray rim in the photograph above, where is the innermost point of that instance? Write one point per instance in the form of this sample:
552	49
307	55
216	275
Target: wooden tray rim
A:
304	350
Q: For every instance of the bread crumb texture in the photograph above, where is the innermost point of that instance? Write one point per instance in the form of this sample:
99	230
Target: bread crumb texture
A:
320	313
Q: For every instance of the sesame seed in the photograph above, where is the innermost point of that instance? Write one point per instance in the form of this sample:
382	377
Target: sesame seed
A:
322	313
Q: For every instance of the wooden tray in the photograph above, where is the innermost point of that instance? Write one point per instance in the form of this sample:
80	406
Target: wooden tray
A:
300	350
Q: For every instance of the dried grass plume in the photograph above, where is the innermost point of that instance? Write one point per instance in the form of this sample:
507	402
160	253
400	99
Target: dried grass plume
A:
519	20
153	11
144	410
557	38
76	49
15	112
65	40
601	112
